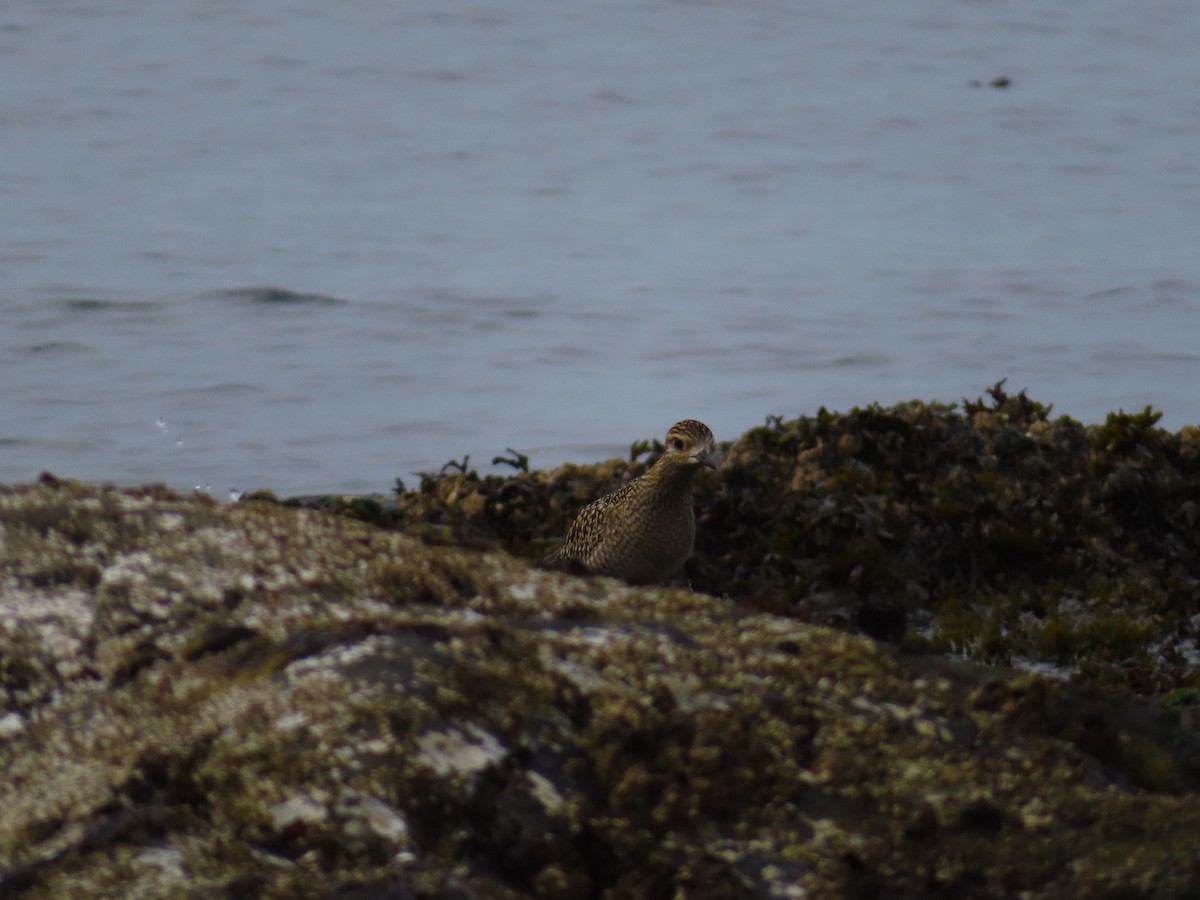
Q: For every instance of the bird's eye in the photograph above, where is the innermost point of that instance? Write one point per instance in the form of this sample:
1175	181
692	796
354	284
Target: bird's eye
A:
676	444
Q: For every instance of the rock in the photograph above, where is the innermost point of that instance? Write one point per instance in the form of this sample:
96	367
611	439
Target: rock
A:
264	701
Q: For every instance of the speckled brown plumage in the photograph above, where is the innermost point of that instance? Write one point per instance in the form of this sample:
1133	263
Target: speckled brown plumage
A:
644	531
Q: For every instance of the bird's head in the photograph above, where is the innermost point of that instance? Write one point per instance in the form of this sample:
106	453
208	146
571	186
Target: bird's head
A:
690	441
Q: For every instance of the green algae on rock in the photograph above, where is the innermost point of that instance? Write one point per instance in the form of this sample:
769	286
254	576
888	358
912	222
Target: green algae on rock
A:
261	701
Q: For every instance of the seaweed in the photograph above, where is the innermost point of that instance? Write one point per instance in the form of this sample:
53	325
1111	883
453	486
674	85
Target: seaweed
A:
990	528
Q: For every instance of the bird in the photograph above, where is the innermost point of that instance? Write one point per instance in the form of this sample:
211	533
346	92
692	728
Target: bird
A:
643	532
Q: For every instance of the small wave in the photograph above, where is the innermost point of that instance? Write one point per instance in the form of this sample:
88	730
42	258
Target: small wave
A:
99	305
224	389
53	347
275	296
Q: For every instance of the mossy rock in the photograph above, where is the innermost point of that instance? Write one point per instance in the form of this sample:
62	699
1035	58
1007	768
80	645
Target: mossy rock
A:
265	701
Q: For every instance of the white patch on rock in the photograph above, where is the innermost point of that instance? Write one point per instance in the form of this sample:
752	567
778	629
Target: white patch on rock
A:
383	820
127	570
297	809
546	793
523	593
170	522
454	752
584	677
11	725
291	721
168	860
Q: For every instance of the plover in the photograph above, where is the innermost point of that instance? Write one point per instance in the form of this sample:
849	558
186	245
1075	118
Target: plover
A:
643	532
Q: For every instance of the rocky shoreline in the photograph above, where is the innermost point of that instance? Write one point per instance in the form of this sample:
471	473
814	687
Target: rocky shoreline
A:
390	696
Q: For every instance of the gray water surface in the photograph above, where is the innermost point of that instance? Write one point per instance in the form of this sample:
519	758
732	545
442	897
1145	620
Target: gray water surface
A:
313	246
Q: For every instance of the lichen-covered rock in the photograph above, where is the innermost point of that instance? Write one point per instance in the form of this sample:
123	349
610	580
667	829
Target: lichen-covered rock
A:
258	701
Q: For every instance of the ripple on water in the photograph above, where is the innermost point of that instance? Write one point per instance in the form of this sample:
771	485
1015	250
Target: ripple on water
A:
274	296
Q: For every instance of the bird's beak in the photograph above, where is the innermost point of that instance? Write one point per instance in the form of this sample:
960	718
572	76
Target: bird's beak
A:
703	458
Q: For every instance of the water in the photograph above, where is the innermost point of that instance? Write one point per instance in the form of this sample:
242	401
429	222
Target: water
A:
313	246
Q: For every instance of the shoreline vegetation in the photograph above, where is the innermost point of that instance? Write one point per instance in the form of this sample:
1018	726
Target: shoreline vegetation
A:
995	532
920	651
